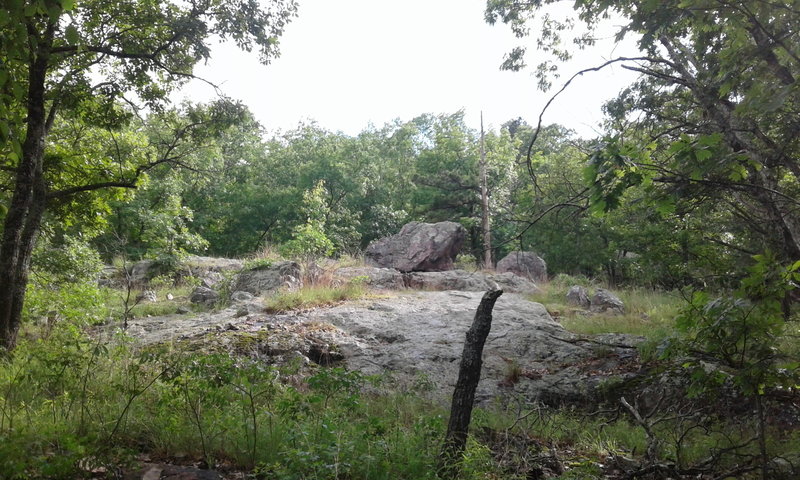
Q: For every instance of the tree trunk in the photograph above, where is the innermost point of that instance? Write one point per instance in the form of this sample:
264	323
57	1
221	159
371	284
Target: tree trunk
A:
464	394
25	212
487	232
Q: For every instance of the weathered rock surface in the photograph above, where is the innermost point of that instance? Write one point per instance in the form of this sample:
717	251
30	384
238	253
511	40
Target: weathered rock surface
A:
605	301
269	278
240	296
204	295
387	278
206	268
211	279
198	266
468	281
524	264
578	296
419	247
419	336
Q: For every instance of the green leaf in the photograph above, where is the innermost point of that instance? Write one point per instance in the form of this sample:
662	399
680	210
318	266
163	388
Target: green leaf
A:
666	206
71	34
702	155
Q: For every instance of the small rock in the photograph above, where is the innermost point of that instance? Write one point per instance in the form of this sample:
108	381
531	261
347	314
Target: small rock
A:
147	296
204	295
170	297
605	301
241	312
183	310
578	296
240	296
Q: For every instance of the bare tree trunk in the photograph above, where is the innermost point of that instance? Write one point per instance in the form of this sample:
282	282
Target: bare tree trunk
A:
468	376
25	212
487	233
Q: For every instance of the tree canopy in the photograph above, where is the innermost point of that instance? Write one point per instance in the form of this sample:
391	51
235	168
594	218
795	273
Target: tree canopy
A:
709	131
93	65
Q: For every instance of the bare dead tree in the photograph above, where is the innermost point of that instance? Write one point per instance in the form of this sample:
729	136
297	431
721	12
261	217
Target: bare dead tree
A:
469	374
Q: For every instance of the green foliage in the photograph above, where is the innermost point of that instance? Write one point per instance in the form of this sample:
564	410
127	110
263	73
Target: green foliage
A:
309	240
682	182
741	332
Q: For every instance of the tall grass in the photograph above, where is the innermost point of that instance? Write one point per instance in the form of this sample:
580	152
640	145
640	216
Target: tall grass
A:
649	313
315	296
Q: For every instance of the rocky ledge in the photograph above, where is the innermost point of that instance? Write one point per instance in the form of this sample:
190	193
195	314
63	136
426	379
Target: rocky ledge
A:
417	337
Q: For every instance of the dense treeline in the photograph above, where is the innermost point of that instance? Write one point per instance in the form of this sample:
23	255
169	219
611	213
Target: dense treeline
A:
230	189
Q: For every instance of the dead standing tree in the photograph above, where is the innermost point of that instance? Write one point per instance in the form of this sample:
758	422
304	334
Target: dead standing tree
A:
464	394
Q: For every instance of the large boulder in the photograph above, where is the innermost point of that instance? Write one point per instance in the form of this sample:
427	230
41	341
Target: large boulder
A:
419	247
269	278
524	264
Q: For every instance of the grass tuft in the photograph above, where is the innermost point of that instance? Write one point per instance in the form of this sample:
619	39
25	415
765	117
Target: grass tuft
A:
314	296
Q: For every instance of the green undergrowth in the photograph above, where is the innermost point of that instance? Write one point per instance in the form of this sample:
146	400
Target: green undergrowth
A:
315	296
72	405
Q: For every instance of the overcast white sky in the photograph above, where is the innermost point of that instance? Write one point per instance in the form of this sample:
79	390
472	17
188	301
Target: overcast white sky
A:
349	63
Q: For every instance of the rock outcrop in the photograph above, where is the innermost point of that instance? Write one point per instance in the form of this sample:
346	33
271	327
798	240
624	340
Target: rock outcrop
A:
140	273
269	278
418	336
469	281
524	264
419	247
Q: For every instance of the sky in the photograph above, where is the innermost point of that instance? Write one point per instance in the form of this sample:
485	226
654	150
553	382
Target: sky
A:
347	64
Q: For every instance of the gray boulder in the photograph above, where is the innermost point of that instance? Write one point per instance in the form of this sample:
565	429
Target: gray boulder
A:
524	264
605	301
269	278
204	295
419	247
578	296
387	278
